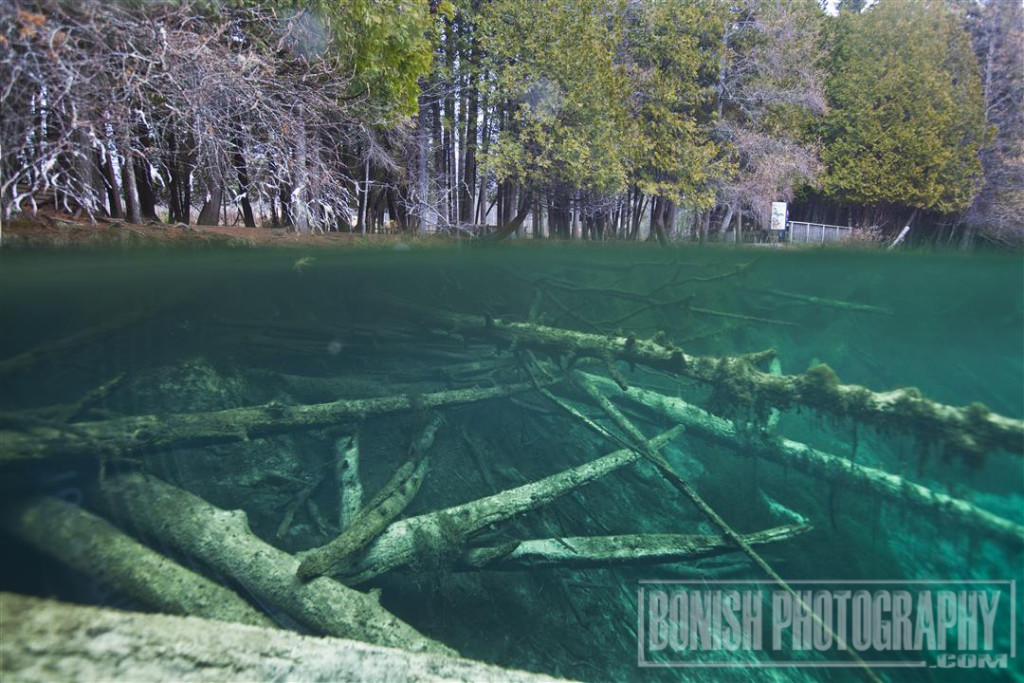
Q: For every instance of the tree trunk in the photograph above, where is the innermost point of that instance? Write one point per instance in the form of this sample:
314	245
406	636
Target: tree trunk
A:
299	207
87	173
147	196
468	186
46	640
210	213
516	222
143	180
222	540
114	207
242	171
729	210
91	545
131	193
422	179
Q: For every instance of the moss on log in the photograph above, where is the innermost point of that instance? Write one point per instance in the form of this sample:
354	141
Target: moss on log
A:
739	385
820	465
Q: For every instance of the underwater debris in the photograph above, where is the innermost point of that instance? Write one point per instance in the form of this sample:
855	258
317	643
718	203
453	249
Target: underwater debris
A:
822	301
815	463
162	647
737	381
397	546
162	432
383	509
687	489
79	539
579	552
350	487
222	540
303	263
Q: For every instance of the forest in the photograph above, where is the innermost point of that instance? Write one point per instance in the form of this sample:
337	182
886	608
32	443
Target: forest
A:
596	119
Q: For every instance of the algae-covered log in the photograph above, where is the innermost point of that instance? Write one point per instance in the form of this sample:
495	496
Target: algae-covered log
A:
47	641
385	507
89	544
819	464
737	383
442	532
164	432
222	540
578	552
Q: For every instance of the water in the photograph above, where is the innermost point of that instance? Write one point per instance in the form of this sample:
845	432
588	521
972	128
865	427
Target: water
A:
206	331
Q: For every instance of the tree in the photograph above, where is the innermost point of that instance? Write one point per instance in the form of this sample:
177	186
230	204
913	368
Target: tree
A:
997	30
670	53
906	121
559	94
770	84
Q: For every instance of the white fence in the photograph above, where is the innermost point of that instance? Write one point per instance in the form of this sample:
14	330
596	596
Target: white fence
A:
818	232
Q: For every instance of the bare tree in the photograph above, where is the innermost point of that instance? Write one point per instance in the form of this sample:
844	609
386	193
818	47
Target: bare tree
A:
770	71
218	107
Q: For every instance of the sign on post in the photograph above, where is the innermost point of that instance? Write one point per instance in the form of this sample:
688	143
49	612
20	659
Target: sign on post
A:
778	215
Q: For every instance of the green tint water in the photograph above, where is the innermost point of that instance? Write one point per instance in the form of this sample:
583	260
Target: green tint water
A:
211	330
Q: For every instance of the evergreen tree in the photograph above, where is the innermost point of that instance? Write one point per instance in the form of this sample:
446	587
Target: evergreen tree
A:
906	121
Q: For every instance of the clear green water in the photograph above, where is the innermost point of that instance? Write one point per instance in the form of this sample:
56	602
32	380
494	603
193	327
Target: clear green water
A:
215	330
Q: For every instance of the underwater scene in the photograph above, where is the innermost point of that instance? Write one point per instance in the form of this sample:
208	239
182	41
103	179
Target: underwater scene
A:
588	463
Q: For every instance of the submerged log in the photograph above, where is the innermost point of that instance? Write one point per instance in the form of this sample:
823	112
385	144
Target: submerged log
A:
822	301
577	552
687	489
222	540
819	464
738	384
385	508
164	432
350	487
47	641
442	533
91	545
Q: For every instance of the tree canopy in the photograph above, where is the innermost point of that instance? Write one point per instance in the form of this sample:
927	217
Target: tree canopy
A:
907	122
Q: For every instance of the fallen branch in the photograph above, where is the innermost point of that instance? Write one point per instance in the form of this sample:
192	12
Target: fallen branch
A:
690	492
819	464
738	384
163	432
607	551
821	301
443	532
47	641
222	540
91	545
296	503
385	507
